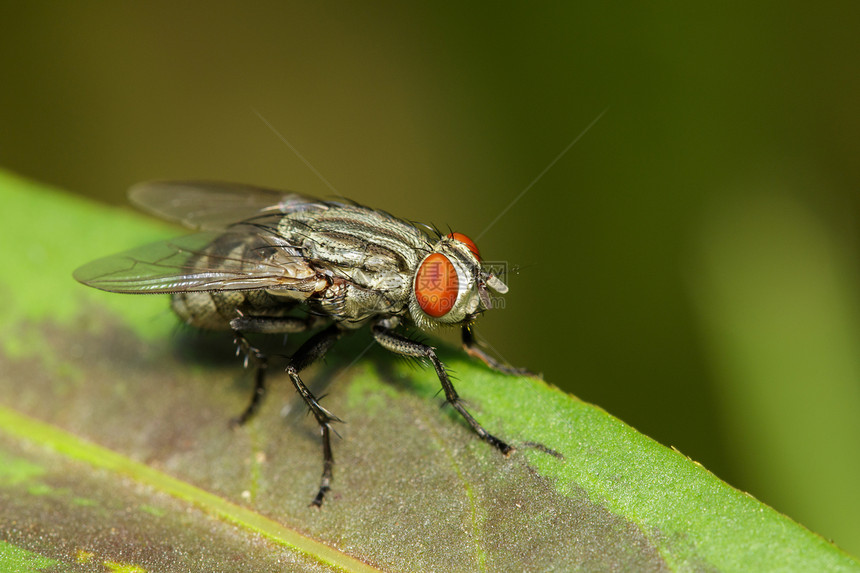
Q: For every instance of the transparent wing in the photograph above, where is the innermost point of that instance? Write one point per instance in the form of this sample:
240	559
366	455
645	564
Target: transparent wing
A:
210	205
246	257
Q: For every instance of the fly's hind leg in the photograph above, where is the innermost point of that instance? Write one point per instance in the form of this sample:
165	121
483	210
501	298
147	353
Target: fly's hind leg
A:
402	345
266	325
261	365
311	351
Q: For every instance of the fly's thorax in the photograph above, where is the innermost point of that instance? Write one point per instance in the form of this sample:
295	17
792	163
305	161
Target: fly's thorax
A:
352	305
450	285
368	257
351	237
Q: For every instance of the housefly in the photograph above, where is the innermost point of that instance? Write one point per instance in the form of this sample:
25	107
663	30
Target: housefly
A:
261	255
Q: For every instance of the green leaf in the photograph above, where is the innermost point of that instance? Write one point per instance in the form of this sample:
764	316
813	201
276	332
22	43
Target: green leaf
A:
116	455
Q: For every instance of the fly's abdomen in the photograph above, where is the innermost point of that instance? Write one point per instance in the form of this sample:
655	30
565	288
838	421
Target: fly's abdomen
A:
207	310
215	310
255	274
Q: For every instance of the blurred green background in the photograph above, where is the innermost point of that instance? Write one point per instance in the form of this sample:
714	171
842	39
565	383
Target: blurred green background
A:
690	264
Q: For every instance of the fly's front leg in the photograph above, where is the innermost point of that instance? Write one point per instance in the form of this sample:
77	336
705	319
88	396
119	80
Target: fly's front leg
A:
311	351
470	345
267	325
472	348
402	345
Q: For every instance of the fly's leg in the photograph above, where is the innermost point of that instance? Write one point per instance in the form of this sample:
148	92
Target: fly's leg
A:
402	345
261	365
470	345
274	324
266	325
311	351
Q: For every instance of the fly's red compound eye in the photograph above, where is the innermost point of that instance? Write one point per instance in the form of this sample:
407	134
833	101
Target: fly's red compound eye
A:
436	285
468	242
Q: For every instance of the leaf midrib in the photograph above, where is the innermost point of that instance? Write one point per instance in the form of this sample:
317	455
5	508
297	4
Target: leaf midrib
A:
76	448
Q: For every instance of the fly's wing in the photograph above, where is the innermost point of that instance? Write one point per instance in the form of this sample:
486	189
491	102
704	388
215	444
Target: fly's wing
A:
209	205
246	257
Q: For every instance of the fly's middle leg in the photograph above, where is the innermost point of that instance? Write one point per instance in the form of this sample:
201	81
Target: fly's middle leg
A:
253	355
402	345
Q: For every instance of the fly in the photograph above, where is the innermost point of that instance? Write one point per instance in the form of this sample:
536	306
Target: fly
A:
259	255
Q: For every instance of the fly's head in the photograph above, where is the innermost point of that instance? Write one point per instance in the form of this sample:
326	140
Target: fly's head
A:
451	285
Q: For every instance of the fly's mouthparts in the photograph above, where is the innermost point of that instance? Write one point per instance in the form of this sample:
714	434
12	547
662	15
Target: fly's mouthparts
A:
496	284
